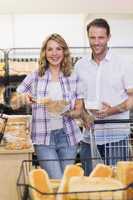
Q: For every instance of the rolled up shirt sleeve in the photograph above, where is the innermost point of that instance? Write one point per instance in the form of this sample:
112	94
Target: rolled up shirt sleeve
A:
79	91
26	85
128	77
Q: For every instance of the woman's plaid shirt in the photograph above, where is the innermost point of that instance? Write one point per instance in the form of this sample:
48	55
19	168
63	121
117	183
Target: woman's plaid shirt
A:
37	87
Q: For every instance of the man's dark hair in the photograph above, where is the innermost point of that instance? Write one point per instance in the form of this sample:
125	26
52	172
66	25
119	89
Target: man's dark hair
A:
101	23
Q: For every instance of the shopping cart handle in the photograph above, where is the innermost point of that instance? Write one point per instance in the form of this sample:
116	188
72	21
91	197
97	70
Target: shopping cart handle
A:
113	121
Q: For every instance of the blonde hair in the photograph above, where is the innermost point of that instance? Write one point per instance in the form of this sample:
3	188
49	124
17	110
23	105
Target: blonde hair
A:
66	65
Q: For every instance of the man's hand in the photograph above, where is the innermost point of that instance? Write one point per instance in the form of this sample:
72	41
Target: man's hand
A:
104	112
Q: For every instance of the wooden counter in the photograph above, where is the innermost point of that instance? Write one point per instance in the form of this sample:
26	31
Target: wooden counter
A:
10	161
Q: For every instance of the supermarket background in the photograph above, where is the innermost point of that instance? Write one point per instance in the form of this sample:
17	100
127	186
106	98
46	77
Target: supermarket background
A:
23	27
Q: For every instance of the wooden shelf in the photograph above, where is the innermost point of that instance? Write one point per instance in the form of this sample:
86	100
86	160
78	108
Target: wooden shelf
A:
3	150
10	162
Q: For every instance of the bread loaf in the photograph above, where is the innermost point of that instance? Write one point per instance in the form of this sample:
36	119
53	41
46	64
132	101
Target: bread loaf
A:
102	170
124	173
91	187
70	171
39	179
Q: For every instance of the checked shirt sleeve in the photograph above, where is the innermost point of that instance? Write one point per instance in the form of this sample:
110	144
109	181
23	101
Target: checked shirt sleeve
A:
26	85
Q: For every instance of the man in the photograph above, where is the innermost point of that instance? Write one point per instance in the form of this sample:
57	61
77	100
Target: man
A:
108	84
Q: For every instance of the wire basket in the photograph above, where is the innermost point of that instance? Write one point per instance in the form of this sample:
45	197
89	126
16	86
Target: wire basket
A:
24	188
115	148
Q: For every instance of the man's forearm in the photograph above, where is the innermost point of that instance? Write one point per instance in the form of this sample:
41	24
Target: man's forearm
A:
118	108
126	105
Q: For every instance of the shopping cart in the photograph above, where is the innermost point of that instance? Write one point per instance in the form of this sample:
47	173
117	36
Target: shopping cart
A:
24	187
22	182
111	141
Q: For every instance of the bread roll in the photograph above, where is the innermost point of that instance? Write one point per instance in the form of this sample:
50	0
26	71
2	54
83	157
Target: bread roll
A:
17	119
53	106
57	106
44	101
15	127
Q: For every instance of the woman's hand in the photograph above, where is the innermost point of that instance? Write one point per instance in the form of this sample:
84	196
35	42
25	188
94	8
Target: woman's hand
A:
18	100
30	99
87	118
75	114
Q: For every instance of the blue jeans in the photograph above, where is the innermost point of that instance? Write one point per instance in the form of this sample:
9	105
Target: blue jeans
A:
110	153
59	148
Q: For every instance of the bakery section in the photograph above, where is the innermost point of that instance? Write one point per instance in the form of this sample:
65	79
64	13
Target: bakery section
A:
15	147
17	132
15	144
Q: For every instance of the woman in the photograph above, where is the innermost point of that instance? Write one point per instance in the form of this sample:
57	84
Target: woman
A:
55	136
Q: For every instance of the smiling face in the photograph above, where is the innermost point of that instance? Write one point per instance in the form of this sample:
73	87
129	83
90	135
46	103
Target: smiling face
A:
98	40
54	53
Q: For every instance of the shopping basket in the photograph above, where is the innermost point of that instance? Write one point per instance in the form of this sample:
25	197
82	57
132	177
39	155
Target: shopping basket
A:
24	188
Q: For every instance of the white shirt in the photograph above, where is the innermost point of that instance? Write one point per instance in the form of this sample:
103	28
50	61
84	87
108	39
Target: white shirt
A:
55	93
107	82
